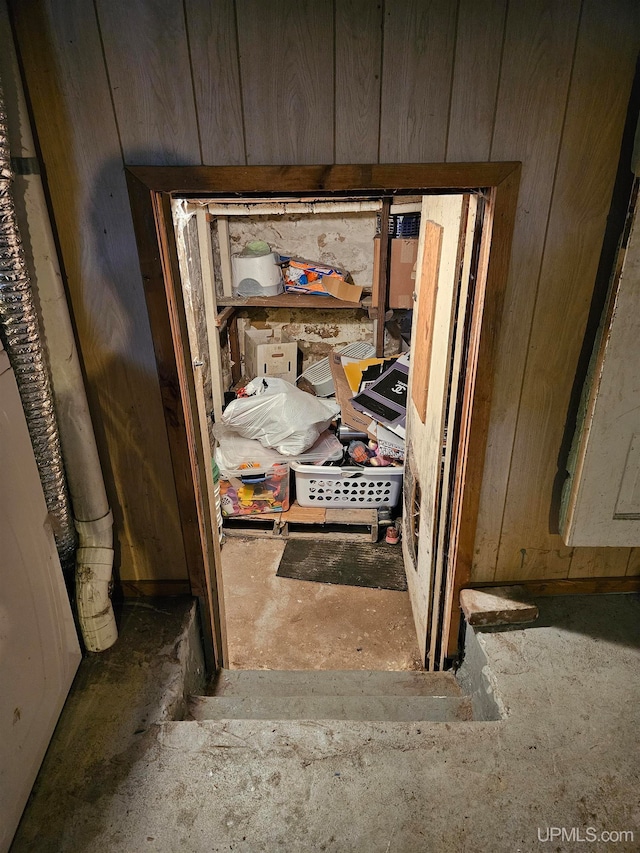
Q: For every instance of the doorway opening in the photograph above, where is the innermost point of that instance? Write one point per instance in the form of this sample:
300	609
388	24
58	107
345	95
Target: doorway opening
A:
461	264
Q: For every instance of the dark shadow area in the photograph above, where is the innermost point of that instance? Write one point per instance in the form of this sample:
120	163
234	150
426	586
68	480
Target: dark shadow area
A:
611	618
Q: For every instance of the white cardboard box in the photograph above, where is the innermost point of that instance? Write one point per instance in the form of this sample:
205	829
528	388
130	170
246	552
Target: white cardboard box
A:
269	355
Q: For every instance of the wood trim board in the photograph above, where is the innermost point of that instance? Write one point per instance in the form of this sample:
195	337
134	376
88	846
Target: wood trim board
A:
426	307
569	586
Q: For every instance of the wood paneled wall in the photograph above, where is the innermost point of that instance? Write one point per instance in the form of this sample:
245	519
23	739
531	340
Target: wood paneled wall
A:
319	81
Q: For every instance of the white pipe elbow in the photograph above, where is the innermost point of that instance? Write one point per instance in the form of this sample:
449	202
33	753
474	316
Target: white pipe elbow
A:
94	568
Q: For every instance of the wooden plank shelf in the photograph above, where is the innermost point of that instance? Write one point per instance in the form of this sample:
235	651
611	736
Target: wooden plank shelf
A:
306	523
292	300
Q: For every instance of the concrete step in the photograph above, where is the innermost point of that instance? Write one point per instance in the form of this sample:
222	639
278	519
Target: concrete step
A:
443	709
331	683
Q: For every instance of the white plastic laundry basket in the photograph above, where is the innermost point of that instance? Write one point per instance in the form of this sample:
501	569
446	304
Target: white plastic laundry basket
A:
317	485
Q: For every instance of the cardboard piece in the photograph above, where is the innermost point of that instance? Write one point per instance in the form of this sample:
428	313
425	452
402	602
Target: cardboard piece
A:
342	289
352	418
402	269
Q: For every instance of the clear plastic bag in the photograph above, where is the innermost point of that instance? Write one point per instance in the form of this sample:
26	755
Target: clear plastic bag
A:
279	415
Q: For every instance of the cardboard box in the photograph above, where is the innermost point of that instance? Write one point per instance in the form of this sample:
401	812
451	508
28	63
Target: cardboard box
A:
268	355
350	416
402	269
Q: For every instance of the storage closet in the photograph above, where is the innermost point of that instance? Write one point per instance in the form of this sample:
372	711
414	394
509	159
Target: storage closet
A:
402	252
467	218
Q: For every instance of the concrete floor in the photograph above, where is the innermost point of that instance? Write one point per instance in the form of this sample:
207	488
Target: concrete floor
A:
278	623
564	757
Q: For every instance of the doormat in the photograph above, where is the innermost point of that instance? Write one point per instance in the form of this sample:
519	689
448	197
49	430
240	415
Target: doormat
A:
378	566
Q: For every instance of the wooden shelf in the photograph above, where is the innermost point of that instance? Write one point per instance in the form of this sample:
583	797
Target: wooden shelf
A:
292	300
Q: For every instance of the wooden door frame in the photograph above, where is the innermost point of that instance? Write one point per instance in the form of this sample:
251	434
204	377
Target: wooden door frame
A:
151	190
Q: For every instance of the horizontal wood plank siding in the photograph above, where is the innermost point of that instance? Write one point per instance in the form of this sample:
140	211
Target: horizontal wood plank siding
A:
152	82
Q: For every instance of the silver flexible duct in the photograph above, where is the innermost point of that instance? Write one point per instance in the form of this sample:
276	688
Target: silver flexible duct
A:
19	328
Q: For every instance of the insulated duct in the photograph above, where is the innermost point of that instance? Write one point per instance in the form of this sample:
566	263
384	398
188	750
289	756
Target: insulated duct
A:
19	325
21	338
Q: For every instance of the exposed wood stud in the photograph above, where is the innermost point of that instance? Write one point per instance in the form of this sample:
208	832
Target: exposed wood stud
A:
224	247
211	311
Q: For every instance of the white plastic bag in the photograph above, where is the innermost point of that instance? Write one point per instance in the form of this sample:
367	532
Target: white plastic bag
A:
279	415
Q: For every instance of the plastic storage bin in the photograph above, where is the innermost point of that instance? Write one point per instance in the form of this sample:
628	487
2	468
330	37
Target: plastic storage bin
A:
317	485
252	491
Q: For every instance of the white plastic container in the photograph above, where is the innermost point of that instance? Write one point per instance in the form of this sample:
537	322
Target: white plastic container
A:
319	374
345	488
256	275
267	355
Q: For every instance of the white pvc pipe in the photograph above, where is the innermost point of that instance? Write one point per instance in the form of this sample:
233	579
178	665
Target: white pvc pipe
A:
93	519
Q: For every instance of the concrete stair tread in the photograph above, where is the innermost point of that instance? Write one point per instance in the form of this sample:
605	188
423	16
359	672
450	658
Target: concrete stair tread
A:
332	683
362	708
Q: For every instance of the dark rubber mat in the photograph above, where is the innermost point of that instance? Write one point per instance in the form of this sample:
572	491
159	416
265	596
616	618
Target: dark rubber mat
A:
379	566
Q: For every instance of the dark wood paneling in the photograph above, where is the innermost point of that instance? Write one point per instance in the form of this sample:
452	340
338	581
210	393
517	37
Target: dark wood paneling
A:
534	81
605	55
358	70
60	49
286	63
216	80
479	38
419	38
438	91
147	58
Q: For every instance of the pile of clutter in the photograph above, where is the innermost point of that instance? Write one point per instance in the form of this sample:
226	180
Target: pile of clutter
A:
273	426
372	394
344	422
259	271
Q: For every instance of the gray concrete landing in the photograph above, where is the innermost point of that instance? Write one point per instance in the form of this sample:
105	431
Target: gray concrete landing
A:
565	756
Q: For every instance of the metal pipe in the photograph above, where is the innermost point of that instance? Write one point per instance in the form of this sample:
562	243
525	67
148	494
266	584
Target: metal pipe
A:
19	328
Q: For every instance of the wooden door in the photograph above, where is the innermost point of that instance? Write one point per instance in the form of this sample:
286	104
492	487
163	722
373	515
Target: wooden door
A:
602	497
446	227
